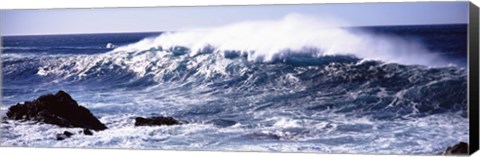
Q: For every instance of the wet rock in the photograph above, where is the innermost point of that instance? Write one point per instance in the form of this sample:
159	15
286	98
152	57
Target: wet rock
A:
68	134
87	132
156	121
4	120
459	148
263	136
59	109
63	136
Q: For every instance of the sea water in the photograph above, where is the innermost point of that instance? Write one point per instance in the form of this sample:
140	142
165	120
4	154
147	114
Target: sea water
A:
261	86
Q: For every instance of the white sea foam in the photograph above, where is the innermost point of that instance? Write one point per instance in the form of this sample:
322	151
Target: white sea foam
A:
261	41
267	40
418	136
283	128
283	122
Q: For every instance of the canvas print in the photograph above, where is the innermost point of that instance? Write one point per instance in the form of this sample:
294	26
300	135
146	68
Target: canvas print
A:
369	78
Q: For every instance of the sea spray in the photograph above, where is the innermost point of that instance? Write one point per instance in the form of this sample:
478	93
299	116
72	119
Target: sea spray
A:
267	41
301	98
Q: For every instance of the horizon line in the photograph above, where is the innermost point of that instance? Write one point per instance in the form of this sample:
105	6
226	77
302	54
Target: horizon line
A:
131	32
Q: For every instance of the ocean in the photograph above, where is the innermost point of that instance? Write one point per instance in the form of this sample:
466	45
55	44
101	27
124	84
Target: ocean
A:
370	90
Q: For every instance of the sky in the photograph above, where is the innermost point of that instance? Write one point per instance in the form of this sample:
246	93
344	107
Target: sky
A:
116	20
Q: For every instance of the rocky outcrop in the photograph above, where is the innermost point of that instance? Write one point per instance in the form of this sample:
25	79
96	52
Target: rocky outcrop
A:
156	121
458	149
63	136
263	136
67	134
86	132
59	109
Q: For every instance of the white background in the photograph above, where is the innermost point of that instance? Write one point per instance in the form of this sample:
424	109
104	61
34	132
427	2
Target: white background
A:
64	152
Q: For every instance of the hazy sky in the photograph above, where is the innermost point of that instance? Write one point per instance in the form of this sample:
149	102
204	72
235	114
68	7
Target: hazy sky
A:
74	21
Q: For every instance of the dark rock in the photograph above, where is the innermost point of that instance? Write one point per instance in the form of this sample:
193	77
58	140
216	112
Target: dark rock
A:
59	109
156	121
63	136
87	132
459	148
4	120
263	136
68	134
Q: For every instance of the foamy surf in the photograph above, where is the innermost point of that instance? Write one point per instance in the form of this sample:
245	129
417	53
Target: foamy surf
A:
296	84
267	41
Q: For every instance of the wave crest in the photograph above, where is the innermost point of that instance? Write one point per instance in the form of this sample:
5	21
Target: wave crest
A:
266	41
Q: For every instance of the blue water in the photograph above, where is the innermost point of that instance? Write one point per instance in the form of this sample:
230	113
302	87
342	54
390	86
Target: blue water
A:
297	101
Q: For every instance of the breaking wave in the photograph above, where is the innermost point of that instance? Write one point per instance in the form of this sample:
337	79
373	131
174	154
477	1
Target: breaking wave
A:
295	84
293	58
269	41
